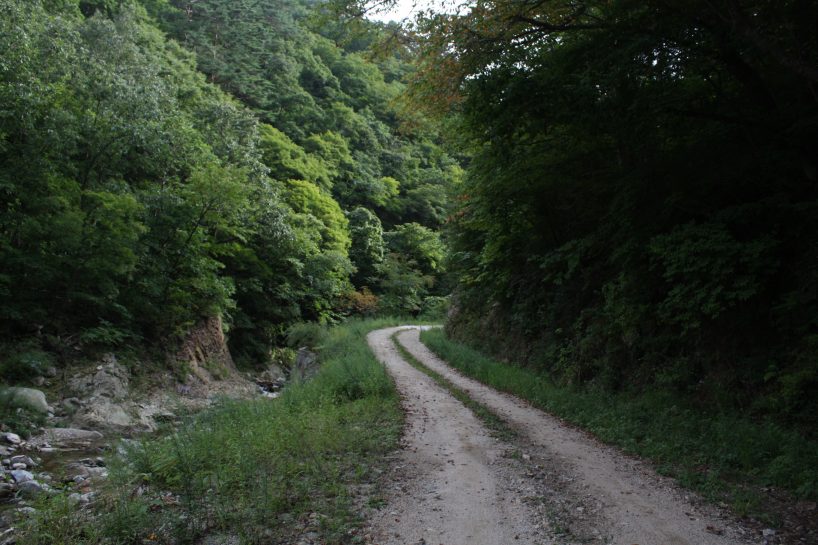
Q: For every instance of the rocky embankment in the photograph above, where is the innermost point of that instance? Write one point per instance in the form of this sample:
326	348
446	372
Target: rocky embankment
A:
88	411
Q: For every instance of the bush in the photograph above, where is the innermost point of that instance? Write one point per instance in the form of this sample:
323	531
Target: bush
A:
434	307
306	334
27	362
360	303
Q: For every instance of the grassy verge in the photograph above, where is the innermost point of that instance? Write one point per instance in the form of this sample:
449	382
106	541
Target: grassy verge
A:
261	471
723	456
491	420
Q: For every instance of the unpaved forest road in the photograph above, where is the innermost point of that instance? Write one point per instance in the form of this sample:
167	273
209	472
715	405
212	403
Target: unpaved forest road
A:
458	485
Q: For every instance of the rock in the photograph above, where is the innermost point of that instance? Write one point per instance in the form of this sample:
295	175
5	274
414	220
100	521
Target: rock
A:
109	380
12	438
103	413
71	405
82	499
768	532
19	465
26	511
93	462
77	469
20	459
21	476
204	350
67	438
25	398
97	472
51	372
306	364
221	539
4	451
148	415
6	489
30	489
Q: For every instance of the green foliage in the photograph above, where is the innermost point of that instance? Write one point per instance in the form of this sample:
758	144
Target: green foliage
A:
58	522
331	112
410	273
24	362
417	245
635	211
367	249
307	199
287	160
306	334
137	197
708	271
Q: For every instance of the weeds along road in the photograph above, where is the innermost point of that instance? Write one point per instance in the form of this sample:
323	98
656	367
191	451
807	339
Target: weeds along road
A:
457	483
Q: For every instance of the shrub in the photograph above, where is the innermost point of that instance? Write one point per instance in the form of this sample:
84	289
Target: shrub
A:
306	334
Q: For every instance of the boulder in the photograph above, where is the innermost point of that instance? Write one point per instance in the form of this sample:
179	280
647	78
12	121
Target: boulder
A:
77	468
82	499
30	489
20	459
107	380
71	405
306	364
26	460
21	476
103	413
25	398
271	379
97	472
67	438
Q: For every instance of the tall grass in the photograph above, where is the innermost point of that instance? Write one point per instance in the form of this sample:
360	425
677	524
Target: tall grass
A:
717	454
262	470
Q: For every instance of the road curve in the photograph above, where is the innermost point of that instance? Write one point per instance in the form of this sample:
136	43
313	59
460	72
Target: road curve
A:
633	504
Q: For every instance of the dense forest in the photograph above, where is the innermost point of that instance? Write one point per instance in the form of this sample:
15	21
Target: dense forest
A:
163	162
640	208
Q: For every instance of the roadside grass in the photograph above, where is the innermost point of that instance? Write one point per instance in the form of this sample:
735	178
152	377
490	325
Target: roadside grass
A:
723	456
493	422
262	471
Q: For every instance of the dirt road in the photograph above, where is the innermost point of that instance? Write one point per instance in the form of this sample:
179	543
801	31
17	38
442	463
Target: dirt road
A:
457	484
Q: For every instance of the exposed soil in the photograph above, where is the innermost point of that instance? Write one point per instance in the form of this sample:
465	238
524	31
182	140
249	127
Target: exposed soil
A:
456	484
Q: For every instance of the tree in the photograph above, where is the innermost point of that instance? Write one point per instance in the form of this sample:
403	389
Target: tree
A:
641	182
367	250
413	243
